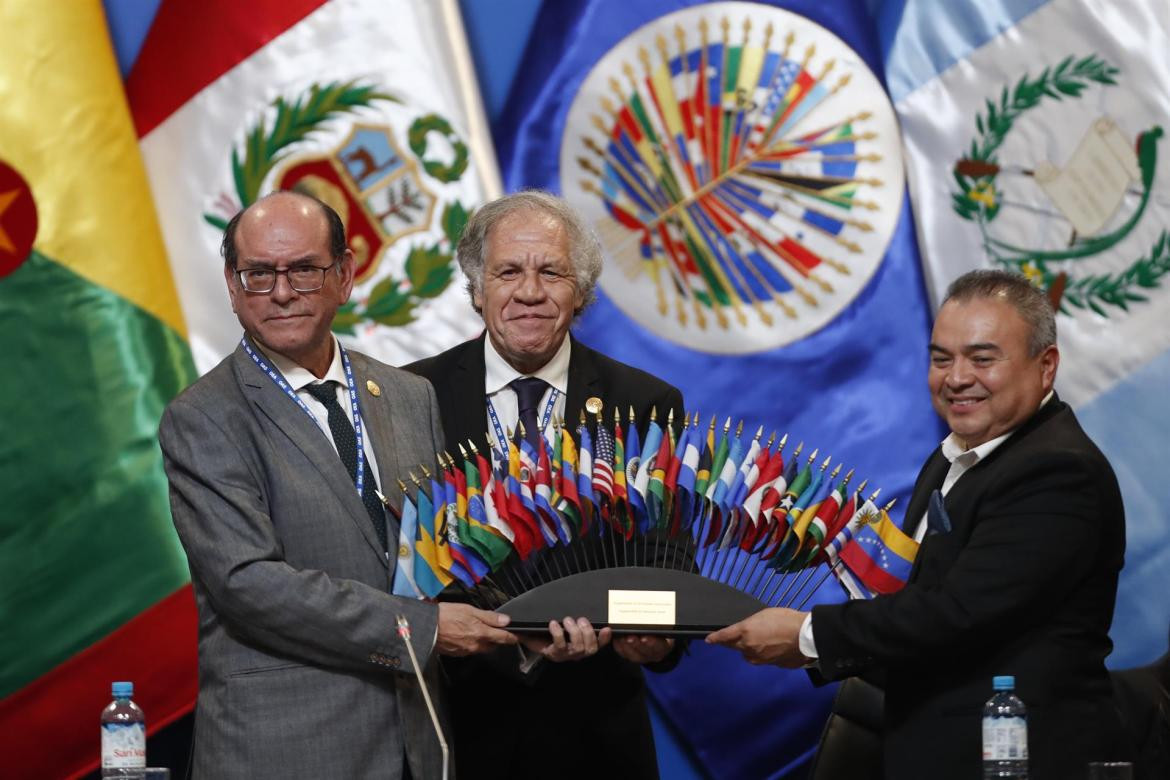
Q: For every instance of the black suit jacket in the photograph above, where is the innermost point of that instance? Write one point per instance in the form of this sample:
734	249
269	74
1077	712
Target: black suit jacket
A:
1023	584
584	719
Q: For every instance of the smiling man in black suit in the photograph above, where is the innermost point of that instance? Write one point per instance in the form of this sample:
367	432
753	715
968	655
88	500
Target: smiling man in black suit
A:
1017	572
531	266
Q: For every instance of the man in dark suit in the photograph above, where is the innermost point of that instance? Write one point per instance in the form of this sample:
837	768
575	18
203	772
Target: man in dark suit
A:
1018	567
531	266
301	670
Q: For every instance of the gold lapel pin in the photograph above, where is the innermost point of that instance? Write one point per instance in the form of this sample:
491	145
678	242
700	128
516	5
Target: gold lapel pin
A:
372	386
593	405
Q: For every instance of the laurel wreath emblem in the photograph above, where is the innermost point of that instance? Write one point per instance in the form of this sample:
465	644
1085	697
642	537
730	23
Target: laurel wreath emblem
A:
979	196
417	138
428	270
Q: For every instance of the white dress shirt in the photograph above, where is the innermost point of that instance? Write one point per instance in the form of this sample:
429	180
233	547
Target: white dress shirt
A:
300	378
499	374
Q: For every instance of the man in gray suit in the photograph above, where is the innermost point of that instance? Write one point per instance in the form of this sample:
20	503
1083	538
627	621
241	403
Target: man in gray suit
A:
275	459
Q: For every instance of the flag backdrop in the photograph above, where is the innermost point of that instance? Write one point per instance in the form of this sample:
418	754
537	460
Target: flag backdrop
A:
364	104
108	339
92	578
369	105
1035	140
850	380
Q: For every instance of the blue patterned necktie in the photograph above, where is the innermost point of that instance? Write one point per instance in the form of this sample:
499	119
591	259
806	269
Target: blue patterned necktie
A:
345	440
529	390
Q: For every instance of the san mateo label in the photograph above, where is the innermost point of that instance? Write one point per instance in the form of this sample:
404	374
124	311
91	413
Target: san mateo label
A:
743	168
123	745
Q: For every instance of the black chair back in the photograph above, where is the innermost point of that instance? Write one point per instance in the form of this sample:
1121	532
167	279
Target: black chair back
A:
851	744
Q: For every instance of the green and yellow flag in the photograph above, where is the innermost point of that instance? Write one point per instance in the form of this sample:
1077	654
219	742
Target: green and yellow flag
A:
92	577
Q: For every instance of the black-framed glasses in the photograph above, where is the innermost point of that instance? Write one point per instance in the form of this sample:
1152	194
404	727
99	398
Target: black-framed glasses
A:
302	278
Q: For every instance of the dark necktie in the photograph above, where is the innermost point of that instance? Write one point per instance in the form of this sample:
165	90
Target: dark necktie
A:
529	390
346	442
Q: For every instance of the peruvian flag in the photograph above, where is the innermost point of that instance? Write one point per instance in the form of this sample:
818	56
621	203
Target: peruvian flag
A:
358	102
225	102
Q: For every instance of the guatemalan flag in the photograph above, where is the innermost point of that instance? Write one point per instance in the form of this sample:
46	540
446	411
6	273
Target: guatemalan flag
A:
1035	141
742	165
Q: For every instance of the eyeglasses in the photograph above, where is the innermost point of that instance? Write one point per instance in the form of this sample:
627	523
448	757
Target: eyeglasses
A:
302	278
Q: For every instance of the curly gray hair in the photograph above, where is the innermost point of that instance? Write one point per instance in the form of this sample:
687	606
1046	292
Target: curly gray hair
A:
584	247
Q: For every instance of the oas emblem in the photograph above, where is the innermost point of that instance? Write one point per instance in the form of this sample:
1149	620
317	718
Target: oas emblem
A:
1088	227
341	143
742	166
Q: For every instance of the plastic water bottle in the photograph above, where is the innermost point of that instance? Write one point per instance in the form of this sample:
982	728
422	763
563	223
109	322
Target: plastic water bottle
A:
1005	733
123	735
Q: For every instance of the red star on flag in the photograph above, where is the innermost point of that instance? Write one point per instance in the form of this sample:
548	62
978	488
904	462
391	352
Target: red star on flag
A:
18	220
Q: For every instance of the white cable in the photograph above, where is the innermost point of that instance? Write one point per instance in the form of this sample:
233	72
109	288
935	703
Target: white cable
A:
404	632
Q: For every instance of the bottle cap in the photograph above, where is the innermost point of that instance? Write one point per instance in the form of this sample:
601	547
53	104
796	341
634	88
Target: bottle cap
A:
122	689
1003	682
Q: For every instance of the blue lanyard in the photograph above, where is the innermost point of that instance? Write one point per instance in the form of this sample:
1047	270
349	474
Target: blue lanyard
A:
544	419
283	384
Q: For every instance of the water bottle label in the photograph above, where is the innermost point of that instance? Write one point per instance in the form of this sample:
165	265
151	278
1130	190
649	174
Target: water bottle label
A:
1005	739
123	745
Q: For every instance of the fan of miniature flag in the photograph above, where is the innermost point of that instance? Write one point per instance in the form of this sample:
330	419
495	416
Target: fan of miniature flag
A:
730	508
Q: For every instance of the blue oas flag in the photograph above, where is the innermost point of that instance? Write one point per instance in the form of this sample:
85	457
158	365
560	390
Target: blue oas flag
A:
633	469
746	179
641	486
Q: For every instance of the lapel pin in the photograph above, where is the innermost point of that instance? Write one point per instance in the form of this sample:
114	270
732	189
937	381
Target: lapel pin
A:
593	405
372	386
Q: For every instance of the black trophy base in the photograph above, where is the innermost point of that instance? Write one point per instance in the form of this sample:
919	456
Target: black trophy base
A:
701	605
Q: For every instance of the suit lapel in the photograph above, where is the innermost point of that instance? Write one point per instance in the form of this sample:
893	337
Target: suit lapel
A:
467	414
970	484
378	419
292	421
584	382
931	478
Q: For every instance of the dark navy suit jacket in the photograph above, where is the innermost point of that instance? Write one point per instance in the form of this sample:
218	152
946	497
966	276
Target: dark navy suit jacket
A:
583	719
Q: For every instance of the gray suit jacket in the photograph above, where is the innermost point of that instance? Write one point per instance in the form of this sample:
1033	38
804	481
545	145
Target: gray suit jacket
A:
301	672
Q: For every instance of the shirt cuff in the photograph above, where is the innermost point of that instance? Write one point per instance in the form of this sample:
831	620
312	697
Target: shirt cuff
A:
807	644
